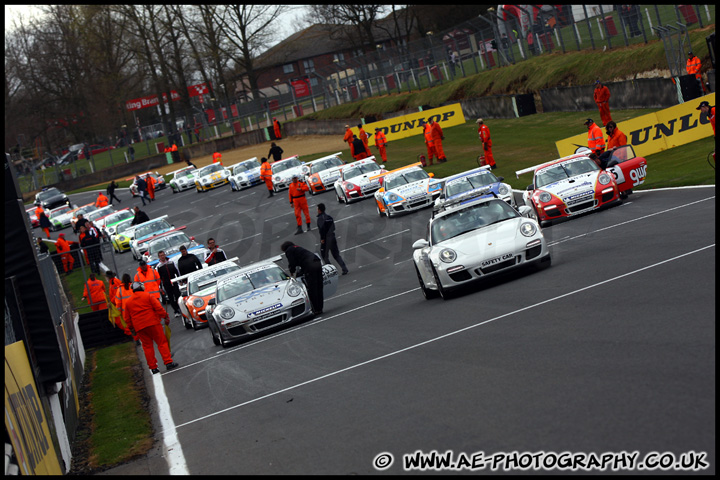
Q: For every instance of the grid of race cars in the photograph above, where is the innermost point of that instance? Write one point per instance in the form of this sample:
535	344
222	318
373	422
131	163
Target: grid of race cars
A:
475	230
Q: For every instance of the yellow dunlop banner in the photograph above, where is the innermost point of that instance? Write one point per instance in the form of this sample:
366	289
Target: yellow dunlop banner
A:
25	421
654	132
409	125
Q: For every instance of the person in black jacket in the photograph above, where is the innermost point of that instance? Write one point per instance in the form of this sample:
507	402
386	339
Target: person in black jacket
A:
111	192
312	270
275	151
140	217
328	242
167	271
188	262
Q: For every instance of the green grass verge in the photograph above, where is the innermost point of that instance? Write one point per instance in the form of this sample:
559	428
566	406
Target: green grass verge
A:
121	426
526	141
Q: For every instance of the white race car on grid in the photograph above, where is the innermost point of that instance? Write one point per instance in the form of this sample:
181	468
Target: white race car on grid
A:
284	170
245	174
359	179
406	189
258	297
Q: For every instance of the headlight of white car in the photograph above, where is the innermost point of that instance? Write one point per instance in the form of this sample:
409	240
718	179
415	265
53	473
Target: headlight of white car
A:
502	189
276	179
604	179
293	290
545	197
392	197
448	255
226	313
528	229
349	186
198	302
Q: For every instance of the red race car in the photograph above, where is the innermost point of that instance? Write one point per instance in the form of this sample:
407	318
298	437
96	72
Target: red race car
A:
576	184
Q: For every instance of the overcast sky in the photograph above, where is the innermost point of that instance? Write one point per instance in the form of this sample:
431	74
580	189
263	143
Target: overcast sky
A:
287	24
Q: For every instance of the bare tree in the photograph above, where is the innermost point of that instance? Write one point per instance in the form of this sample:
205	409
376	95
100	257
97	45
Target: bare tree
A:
249	29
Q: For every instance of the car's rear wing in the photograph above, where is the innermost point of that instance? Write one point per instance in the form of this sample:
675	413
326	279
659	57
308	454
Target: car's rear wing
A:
417	164
155	237
532	169
205	268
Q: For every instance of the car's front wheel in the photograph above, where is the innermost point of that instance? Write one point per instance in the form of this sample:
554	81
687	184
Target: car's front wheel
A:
427	293
443	292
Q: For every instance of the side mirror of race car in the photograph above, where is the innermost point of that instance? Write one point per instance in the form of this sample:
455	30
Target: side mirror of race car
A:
422	243
530	188
525	211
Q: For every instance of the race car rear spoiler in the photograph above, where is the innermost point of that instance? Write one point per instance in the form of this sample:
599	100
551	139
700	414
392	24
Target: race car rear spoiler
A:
417	164
530	169
214	267
161	234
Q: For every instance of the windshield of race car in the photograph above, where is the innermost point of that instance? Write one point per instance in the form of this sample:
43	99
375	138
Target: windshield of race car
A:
123	226
358	170
184	173
405	178
468	183
281	166
116	217
149	227
210	169
209	279
50	192
245	166
171	242
321	165
250	281
101	212
562	171
59	211
471	218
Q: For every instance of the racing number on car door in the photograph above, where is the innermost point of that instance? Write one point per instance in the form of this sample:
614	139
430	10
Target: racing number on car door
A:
618	173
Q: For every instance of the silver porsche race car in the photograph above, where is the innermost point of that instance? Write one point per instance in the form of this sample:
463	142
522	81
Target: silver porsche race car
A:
258	297
471	240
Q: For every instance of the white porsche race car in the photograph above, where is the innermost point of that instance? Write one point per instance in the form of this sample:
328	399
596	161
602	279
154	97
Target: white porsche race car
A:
406	189
284	170
470	240
359	180
258	297
245	174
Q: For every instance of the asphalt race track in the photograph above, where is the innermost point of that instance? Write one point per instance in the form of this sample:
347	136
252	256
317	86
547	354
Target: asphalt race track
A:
611	349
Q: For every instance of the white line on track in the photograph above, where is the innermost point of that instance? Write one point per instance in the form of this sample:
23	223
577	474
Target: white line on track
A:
435	339
171	445
373	241
630	221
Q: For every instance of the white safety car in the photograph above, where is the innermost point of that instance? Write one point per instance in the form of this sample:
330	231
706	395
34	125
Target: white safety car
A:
406	189
284	170
258	297
245	174
470	240
359	180
211	176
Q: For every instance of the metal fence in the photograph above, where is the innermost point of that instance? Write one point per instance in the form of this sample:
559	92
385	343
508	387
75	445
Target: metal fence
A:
482	43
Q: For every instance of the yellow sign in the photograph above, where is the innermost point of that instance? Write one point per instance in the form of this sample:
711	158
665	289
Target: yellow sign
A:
655	132
25	420
408	125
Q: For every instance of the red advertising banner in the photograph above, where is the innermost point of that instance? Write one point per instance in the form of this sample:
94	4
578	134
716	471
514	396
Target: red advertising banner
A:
210	115
143	102
234	110
302	87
